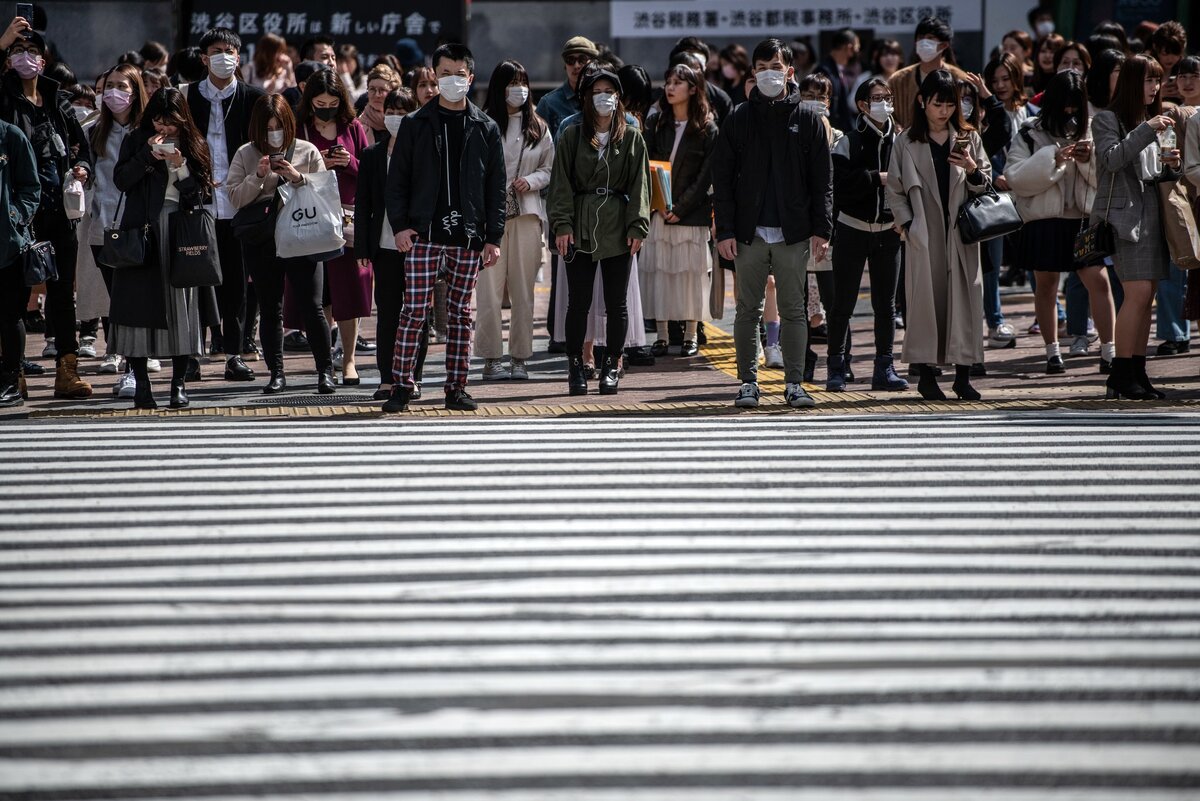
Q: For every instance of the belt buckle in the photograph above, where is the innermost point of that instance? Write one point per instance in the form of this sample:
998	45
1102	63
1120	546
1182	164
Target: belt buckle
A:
600	190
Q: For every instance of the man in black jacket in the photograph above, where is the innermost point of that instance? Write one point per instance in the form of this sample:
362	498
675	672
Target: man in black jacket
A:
773	192
33	103
221	106
445	201
838	68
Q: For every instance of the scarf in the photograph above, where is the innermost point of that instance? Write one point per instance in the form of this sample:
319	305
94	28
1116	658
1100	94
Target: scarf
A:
372	119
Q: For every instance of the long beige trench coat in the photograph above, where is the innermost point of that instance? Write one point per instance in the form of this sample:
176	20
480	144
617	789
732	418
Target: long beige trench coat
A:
943	280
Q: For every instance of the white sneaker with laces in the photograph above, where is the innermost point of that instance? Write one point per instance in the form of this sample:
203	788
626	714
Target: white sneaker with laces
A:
773	356
153	366
747	397
1079	346
50	351
494	370
87	348
797	398
110	365
519	371
1002	336
126	386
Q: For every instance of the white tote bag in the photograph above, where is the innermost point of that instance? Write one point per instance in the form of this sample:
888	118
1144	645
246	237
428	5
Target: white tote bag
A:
310	220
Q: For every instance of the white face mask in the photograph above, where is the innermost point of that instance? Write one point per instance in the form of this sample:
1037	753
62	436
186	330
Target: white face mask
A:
392	123
968	108
771	82
516	96
1045	28
819	106
730	72
881	111
605	103
927	49
222	65
81	112
275	138
454	87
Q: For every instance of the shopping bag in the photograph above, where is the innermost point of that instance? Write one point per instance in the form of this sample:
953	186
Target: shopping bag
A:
1179	226
310	220
194	259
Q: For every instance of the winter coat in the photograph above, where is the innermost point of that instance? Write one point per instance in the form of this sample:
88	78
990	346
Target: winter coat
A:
858	158
20	191
943	281
691	171
1041	189
416	173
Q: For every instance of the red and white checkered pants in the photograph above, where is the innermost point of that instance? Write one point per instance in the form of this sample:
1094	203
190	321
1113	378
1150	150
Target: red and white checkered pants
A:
420	272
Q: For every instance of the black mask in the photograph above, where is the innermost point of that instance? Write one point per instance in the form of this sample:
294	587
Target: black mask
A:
326	114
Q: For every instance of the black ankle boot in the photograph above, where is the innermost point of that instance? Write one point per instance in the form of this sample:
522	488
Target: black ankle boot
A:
143	397
1143	380
962	383
325	383
609	377
277	382
577	376
1122	383
179	398
928	385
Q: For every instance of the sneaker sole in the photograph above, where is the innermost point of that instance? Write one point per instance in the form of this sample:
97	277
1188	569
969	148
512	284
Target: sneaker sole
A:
802	404
503	377
742	403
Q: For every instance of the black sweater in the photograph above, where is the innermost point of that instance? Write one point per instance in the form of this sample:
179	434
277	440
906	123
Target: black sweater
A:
857	161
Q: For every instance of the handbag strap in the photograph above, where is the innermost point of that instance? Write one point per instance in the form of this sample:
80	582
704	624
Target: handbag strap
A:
117	212
1108	206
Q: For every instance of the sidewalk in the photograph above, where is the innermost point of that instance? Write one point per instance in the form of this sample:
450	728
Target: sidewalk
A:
704	384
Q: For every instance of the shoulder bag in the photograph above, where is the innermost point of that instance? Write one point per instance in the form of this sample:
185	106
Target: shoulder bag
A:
255	224
39	264
1095	242
124	247
989	215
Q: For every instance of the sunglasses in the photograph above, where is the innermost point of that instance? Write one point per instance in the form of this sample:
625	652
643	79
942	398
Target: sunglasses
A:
576	61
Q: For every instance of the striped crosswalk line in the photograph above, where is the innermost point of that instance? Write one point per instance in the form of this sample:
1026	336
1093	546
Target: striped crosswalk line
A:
976	607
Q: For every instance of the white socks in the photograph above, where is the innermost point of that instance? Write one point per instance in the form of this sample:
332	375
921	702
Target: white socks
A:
1108	351
1052	350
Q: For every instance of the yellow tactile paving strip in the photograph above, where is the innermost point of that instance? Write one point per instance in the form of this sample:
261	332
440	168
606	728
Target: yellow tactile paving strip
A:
719	352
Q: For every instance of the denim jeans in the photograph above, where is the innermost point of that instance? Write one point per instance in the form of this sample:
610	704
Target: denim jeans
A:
1172	327
992	312
1078	306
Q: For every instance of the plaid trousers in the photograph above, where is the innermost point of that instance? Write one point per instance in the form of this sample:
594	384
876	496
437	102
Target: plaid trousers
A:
420	272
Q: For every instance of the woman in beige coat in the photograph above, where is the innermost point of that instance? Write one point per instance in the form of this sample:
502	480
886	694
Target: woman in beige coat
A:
936	166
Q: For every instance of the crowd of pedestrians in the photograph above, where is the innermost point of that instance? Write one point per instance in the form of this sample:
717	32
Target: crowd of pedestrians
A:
633	198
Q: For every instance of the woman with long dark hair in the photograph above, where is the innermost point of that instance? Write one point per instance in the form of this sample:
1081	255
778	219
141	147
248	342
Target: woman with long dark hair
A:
677	260
600	214
164	166
528	160
1043	62
735	69
1131	165
936	165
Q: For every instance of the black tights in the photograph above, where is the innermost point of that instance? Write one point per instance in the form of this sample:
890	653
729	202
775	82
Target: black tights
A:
13	296
179	365
581	279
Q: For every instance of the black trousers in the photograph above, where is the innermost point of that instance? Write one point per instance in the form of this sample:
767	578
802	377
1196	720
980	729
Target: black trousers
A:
304	277
389	301
54	227
106	273
231	294
13	297
881	253
581	278
554	257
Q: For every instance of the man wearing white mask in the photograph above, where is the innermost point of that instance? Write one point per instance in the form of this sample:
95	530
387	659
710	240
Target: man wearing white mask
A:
773	193
933	47
221	106
1041	21
445	200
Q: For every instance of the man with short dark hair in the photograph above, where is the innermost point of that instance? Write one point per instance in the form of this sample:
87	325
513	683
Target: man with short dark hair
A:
445	200
1041	20
844	50
221	106
933	46
773	193
718	99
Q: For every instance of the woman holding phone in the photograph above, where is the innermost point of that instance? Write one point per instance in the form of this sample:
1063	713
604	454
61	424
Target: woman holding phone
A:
272	156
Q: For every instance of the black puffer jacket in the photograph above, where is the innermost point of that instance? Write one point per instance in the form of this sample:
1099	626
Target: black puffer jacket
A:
858	158
691	171
773	141
415	175
17	110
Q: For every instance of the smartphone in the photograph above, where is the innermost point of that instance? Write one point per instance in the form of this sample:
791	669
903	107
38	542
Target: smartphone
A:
163	147
25	12
961	144
337	149
275	159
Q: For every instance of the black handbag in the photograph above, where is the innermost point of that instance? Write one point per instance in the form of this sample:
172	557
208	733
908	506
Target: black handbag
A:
990	215
124	247
194	258
39	264
255	224
1094	243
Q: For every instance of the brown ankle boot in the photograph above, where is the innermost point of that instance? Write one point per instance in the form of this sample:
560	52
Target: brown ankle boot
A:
67	383
24	387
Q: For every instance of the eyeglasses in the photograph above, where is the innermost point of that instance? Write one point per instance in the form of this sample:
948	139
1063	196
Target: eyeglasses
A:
378	90
881	98
576	61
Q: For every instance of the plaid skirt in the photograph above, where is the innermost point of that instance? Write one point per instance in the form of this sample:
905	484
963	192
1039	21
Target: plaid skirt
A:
1146	260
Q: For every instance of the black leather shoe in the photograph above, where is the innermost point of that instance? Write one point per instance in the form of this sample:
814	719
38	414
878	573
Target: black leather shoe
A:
639	357
382	394
609	378
325	382
397	401
659	348
32	368
556	347
1173	348
193	370
576	376
688	348
276	383
978	370
179	398
849	371
363	346
236	369
10	390
351	382
459	400
1054	365
295	342
416	391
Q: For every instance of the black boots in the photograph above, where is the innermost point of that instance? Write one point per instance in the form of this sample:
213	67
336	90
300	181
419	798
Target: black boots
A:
325	382
577	376
928	385
1123	381
609	374
1143	380
143	397
10	389
398	400
962	383
179	398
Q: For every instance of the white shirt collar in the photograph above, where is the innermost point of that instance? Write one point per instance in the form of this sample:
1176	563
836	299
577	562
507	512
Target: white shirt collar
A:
211	93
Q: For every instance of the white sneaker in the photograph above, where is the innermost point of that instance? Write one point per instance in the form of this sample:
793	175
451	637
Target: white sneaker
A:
87	348
1092	334
111	364
126	386
1079	346
1002	336
747	397
50	351
153	366
773	356
797	398
494	370
519	371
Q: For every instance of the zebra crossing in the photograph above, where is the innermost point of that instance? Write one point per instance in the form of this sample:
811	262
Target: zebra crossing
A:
996	606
